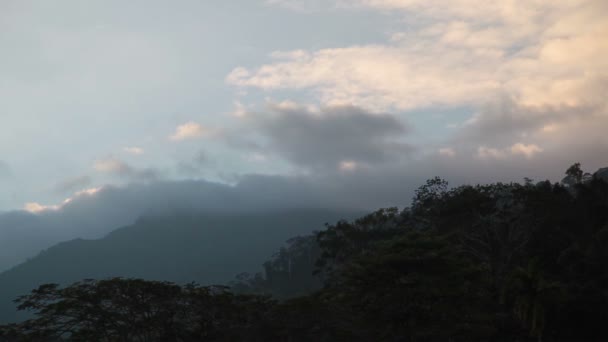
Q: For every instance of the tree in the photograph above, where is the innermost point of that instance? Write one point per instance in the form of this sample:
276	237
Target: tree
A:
574	175
340	243
138	310
533	296
414	287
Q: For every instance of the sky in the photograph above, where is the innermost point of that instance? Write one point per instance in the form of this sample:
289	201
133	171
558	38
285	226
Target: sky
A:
362	97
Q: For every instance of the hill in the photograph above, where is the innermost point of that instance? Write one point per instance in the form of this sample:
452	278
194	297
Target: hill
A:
205	248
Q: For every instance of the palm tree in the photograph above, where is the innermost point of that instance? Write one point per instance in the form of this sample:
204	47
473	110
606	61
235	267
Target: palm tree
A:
532	295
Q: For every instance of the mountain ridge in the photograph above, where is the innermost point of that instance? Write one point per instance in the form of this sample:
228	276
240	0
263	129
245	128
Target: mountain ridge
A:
182	247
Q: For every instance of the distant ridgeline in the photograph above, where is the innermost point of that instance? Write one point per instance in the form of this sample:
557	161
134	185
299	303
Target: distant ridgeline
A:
206	248
497	262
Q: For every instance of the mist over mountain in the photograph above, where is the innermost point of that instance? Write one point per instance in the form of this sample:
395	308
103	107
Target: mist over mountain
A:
24	234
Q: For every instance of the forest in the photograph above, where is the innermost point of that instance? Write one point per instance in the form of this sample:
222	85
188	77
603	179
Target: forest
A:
494	262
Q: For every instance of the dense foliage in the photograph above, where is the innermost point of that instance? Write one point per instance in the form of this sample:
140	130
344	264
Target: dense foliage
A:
498	262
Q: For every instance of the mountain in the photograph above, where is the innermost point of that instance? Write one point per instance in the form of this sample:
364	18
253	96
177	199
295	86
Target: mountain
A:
93	213
204	248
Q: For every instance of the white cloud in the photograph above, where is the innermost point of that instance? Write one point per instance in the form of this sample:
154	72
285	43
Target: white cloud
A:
111	165
539	52
240	110
190	130
348	165
484	152
80	194
35	208
519	149
526	150
118	168
88	192
134	150
550	128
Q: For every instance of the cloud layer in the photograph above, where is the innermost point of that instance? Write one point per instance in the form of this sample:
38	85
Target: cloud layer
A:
541	53
532	74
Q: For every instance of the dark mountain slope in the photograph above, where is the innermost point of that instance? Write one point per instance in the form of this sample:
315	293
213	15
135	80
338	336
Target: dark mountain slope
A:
209	249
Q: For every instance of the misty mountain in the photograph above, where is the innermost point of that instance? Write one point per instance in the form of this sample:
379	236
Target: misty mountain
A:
92	216
205	248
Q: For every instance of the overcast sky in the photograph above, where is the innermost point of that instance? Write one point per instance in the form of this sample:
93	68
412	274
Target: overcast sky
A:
96	93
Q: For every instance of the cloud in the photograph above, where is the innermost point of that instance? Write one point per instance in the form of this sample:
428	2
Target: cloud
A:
72	184
380	77
190	130
134	150
119	168
540	53
484	152
113	166
533	73
527	151
447	64
447	152
519	149
331	136
239	110
348	165
195	166
88	192
34	207
95	212
504	120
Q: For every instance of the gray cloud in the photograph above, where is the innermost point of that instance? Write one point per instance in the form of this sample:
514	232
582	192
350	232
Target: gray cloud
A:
145	174
72	185
201	158
533	138
195	166
121	169
505	121
335	134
